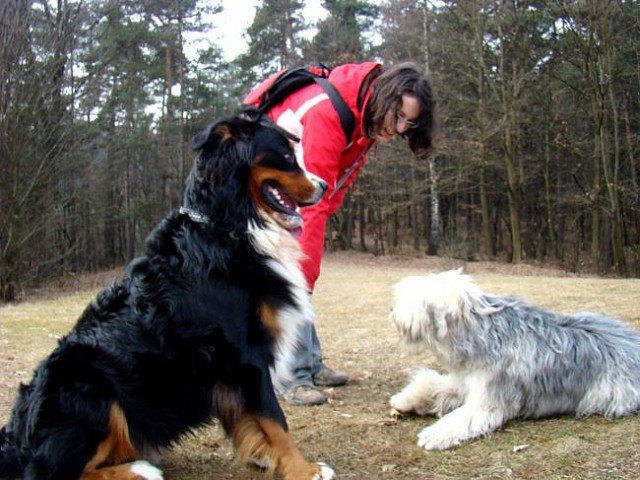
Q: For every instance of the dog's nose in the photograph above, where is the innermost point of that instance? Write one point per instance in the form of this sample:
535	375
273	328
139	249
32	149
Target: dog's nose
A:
318	182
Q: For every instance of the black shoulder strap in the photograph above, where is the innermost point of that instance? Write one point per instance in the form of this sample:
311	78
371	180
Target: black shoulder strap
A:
346	116
295	78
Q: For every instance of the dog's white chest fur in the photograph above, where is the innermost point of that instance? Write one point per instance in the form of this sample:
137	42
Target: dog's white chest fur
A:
285	255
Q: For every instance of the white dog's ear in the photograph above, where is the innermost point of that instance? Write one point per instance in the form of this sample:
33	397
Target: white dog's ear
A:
409	312
441	318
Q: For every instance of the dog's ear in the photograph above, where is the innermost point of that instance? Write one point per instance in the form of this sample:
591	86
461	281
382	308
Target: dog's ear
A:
219	132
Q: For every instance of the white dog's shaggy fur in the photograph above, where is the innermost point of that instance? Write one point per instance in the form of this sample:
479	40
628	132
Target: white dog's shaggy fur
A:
505	359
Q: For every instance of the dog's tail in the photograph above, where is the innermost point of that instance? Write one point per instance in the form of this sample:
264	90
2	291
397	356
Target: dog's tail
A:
10	466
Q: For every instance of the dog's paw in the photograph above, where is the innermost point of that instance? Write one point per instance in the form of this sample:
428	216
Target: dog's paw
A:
395	414
431	438
145	471
401	404
326	472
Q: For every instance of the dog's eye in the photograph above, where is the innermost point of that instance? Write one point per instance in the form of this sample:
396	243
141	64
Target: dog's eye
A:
290	158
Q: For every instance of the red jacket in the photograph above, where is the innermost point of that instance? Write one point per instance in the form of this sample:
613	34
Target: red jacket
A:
309	114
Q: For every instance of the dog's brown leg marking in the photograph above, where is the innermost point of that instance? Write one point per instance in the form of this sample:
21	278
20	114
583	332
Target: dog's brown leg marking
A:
258	438
269	318
112	455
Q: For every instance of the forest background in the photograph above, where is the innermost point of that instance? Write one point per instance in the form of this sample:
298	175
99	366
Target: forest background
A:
538	107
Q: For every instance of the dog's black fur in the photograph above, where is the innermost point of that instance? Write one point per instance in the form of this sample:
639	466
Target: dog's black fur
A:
187	335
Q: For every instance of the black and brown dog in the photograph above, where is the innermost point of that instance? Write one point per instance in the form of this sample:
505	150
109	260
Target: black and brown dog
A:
187	335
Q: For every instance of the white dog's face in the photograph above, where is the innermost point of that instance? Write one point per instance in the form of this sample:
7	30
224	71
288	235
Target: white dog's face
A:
425	306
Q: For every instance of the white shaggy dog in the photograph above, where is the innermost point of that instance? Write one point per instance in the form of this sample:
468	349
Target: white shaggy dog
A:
505	359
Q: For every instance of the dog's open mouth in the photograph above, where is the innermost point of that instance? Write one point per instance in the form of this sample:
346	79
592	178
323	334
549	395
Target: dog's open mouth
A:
286	210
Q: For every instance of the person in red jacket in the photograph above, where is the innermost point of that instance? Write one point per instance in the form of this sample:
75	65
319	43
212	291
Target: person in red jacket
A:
386	103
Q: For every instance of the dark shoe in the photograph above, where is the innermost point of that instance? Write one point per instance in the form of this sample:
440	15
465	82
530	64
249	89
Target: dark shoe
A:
330	378
302	395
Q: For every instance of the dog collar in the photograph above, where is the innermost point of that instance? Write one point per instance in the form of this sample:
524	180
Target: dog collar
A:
193	215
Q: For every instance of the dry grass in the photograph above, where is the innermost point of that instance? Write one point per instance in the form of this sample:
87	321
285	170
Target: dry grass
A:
354	432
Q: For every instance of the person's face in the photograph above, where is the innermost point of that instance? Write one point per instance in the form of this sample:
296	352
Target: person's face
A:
398	121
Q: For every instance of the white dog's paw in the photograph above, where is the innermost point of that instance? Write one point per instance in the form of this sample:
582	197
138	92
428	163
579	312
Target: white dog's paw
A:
434	438
401	403
326	472
146	471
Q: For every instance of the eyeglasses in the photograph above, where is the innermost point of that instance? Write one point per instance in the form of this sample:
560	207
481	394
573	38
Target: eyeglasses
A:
401	122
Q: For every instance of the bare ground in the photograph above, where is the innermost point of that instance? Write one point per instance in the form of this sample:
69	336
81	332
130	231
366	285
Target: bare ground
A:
354	431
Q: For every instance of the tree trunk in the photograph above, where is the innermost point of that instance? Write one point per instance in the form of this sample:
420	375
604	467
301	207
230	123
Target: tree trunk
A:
611	172
509	95
513	196
362	222
434	232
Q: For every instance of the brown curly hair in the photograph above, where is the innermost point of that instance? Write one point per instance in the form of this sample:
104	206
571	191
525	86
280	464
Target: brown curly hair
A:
386	95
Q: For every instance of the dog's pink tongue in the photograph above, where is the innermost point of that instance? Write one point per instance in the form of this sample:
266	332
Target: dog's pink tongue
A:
296	232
